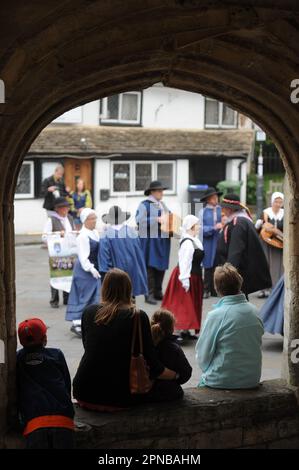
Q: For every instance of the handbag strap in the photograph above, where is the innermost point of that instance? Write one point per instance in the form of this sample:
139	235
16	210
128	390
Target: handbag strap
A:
137	322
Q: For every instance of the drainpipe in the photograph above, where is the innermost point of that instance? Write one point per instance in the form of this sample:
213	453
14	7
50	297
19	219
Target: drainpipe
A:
242	162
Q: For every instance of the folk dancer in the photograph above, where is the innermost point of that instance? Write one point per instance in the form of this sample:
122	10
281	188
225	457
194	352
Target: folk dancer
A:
120	247
154	242
240	245
184	293
86	281
59	221
273	222
212	225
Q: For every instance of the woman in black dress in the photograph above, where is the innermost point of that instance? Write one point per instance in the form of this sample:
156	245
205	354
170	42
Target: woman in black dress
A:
102	378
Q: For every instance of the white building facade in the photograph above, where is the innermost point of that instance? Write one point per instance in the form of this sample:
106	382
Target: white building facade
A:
120	143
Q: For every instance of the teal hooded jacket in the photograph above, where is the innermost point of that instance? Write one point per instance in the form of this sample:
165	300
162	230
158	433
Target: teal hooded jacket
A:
229	347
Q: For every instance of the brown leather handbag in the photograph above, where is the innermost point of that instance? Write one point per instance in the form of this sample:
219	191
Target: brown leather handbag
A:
140	381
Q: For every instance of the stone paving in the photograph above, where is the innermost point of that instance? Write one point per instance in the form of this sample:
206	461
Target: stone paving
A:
33	293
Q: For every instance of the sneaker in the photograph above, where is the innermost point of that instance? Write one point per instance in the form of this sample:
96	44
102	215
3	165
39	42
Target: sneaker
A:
54	304
149	299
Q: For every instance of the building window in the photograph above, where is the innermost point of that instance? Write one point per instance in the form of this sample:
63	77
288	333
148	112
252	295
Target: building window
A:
25	183
219	115
143	175
121	177
122	109
165	174
134	176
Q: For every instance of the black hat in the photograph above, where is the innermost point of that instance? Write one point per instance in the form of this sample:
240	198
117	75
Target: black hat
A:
115	216
232	201
153	186
210	192
61	202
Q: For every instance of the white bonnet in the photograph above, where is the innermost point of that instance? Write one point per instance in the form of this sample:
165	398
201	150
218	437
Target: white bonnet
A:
86	213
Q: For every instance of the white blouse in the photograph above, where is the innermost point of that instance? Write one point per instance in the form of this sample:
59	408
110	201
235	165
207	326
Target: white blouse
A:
186	252
83	246
272	215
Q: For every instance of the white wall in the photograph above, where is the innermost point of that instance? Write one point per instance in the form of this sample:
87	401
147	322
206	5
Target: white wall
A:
30	216
171	108
130	203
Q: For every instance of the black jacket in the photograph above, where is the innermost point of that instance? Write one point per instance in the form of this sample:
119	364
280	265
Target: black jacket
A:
43	384
172	356
49	197
103	374
240	245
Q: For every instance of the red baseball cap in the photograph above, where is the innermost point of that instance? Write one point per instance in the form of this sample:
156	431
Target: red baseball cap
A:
32	332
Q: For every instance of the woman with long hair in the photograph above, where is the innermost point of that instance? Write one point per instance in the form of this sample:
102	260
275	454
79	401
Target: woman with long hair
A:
102	378
79	200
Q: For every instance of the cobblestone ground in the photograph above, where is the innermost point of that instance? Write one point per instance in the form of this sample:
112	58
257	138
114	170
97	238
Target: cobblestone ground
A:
33	295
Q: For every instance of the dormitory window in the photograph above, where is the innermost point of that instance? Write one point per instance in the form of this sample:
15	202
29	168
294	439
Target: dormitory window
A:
219	115
133	177
25	182
122	109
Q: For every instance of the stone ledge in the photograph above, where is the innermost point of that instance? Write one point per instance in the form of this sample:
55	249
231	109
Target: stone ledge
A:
267	417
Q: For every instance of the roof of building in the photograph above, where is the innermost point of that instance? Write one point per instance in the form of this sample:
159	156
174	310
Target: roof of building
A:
108	140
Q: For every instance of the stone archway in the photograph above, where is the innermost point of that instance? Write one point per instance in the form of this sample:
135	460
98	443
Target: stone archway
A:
56	55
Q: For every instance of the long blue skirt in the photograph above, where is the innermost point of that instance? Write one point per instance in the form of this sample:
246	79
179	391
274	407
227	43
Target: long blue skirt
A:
272	311
85	290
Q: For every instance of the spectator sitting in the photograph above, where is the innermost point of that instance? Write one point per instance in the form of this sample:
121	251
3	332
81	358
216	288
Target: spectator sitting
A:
171	355
43	390
103	376
229	348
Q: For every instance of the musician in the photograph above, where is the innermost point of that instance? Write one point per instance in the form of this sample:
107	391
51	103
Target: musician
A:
211	228
273	222
59	221
184	293
240	245
155	243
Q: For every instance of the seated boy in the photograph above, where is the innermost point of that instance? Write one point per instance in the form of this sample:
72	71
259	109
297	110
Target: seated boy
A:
43	390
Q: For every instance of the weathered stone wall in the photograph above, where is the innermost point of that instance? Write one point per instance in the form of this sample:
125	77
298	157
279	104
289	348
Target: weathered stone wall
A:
55	55
205	419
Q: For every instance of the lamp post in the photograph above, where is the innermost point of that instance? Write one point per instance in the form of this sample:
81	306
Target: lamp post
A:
260	137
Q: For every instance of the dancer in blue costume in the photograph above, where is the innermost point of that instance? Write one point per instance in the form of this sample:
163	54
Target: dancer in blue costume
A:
211	229
272	311
121	248
86	282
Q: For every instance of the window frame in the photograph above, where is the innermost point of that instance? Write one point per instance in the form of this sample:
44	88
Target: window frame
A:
132	183
30	195
119	121
220	116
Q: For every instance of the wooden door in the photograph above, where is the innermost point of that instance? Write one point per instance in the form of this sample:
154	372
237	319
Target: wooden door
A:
75	168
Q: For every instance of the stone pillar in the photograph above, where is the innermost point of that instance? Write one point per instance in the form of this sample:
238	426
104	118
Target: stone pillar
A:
7	319
291	263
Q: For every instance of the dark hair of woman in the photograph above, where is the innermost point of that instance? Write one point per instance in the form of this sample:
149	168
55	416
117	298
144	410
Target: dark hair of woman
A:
116	295
162	325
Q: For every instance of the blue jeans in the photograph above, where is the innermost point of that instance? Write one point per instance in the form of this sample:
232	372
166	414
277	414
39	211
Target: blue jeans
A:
50	438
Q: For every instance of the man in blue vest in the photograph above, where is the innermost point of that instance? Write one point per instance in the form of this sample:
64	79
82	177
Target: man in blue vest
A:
155	243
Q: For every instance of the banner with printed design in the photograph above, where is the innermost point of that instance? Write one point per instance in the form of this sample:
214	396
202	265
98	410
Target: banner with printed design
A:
62	258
